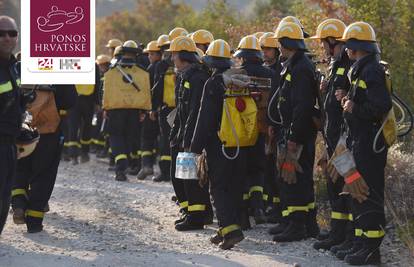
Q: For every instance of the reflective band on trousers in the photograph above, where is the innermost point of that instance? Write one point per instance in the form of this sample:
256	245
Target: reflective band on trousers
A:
6	87
86	142
165	158
146	153
291	209
135	155
311	205
121	156
183	205
197	207
76	144
340	216
246	196
99	143
19	192
34	213
228	229
265	197
370	234
256	189
276	200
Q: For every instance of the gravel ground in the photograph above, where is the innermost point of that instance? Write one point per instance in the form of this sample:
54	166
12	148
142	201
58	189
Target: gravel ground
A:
96	221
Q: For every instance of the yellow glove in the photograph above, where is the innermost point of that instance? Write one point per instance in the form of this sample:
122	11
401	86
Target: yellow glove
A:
356	186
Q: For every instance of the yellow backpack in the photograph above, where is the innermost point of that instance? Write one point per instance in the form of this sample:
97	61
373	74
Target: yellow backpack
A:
238	127
389	125
169	88
85	89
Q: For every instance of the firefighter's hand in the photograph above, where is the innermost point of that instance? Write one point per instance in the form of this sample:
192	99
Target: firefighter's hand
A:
356	186
142	116
348	106
340	94
271	131
153	115
323	86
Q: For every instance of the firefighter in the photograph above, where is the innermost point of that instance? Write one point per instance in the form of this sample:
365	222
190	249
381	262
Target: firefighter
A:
98	138
80	120
36	173
11	110
366	108
150	127
296	21
163	102
202	39
122	108
111	45
295	101
271	60
334	87
225	175
250	53
189	86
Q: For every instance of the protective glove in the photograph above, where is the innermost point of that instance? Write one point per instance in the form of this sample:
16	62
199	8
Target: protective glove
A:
356	186
202	169
290	164
339	150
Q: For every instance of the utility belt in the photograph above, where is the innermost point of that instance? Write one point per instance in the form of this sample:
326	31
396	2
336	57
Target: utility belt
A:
7	140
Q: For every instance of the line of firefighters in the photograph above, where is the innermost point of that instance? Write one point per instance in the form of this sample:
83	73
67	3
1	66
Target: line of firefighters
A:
249	118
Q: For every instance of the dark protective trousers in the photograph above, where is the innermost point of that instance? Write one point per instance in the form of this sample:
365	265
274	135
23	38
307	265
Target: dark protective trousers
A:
124	132
98	137
192	198
227	178
149	134
80	126
256	166
36	177
166	161
369	216
298	199
7	172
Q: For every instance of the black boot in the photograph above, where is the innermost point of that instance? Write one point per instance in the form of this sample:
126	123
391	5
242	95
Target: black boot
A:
112	166
347	244
19	216
189	224
365	256
144	172
182	217
84	157
102	153
279	228
159	178
216	239
47	208
294	232
259	216
312	227
74	161
34	225
245	221
19	206
274	215
120	176
231	239
336	236
341	254
323	234
209	217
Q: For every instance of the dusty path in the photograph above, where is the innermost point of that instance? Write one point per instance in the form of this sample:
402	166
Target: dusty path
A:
95	221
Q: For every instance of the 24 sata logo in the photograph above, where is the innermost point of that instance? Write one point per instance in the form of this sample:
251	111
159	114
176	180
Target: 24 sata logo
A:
60	28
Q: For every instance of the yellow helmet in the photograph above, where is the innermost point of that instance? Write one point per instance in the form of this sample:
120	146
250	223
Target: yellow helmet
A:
330	28
103	59
219	48
360	31
296	21
290	35
152	47
176	32
249	42
118	50
163	40
202	37
218	55
360	36
258	34
268	40
114	43
182	43
130	44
